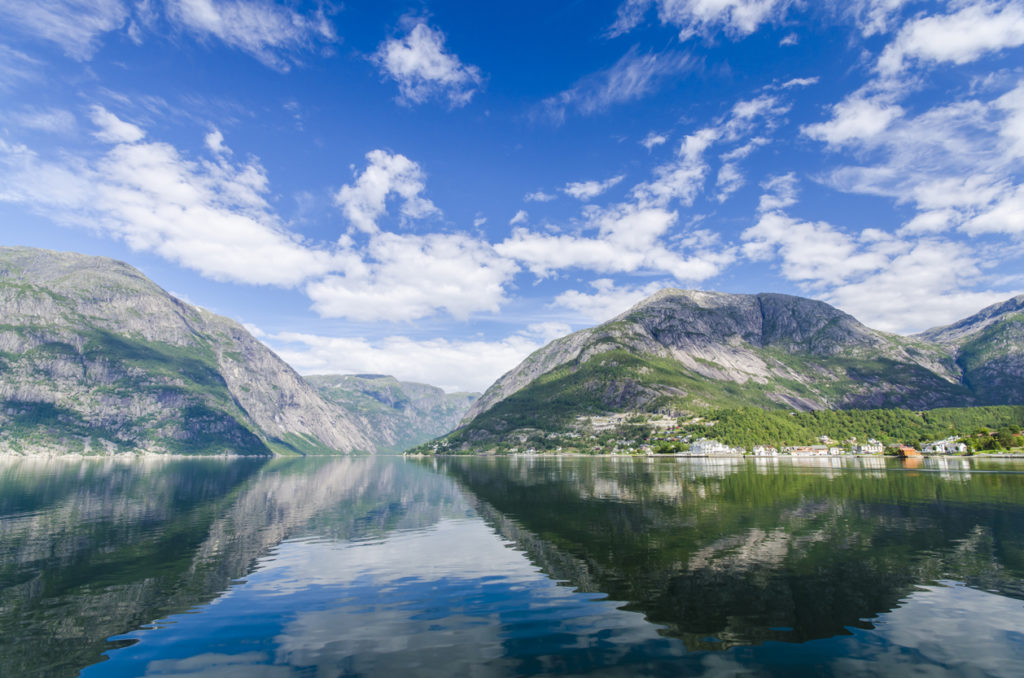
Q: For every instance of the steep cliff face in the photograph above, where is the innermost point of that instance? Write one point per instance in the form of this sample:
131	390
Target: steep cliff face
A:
95	357
400	414
682	349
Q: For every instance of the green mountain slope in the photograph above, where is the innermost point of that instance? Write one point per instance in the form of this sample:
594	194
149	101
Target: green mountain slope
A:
686	350
96	358
400	414
989	349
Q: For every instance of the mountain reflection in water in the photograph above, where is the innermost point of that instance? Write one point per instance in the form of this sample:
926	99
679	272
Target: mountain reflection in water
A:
510	566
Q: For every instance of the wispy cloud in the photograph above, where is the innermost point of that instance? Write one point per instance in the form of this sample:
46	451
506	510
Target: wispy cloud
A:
423	69
55	120
634	76
269	32
736	18
540	196
73	25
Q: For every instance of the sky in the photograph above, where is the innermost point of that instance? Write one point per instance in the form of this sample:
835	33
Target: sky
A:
435	189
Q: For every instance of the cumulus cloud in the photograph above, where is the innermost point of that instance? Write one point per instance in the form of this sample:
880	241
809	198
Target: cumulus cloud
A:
626	238
956	163
267	31
387	174
960	37
606	301
423	69
454	365
855	119
210	216
588	190
892	282
633	77
213	216
520	218
73	25
403	277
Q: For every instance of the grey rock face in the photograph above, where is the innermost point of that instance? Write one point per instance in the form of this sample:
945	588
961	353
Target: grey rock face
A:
95	357
773	348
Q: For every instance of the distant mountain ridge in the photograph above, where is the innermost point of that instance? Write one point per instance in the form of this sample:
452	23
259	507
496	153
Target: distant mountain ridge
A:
96	358
400	414
684	350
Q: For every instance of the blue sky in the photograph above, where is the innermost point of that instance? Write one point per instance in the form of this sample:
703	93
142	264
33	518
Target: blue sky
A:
435	189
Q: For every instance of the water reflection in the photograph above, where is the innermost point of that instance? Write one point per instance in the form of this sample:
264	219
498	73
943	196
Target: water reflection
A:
511	566
727	553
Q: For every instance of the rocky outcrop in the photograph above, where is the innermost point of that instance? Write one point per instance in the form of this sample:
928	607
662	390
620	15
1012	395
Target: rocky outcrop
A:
95	357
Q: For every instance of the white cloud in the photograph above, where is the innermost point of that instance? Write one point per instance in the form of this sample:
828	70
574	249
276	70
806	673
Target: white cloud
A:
873	16
208	216
653	139
55	120
520	218
966	35
403	277
16	67
215	142
454	365
540	196
800	82
892	282
729	180
736	18
112	129
855	119
366	201
930	283
607	301
479	221
588	190
421	67
683	178
789	40
780	192
633	77
73	25
628	238
267	31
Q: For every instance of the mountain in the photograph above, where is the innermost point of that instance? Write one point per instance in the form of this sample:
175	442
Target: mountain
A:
95	357
988	347
400	414
684	350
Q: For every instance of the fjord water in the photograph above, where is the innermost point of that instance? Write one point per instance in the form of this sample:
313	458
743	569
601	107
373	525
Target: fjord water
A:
510	566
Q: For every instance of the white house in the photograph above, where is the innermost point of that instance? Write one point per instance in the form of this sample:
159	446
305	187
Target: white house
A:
948	445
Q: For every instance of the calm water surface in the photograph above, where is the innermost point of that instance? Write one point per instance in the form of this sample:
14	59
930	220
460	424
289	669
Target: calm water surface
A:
511	566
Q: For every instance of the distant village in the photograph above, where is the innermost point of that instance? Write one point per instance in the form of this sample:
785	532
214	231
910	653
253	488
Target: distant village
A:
605	435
